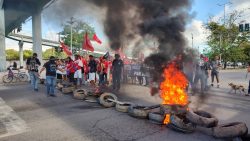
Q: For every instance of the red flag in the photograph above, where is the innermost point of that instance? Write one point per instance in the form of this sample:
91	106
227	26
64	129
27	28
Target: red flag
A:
97	39
66	49
87	44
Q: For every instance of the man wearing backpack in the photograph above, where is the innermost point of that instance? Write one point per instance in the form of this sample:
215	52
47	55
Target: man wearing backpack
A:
32	65
51	68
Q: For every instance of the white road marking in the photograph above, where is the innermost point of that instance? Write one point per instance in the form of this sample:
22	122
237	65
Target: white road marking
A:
13	123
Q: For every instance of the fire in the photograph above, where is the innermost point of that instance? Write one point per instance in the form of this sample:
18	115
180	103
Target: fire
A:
167	119
173	88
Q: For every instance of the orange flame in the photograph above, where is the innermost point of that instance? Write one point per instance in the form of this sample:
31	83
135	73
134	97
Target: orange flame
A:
173	88
167	119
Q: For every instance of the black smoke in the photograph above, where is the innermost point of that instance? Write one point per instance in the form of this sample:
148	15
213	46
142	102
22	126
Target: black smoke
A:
165	20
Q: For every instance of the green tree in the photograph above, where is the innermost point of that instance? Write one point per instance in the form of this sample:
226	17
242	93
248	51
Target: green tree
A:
11	54
27	54
51	52
226	40
79	29
48	52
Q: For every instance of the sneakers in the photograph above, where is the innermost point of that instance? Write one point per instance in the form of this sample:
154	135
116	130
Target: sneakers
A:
212	84
36	90
218	85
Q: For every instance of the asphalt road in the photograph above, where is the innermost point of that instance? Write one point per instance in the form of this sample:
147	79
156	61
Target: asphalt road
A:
31	116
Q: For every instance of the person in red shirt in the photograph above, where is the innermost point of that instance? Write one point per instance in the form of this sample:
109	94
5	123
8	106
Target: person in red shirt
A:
105	71
70	69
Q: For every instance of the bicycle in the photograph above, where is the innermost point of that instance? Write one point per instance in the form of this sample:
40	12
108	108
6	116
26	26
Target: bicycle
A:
12	77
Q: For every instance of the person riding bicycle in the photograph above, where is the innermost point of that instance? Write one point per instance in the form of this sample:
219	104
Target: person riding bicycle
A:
32	65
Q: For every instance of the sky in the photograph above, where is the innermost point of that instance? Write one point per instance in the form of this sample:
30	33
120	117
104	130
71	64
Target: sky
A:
202	10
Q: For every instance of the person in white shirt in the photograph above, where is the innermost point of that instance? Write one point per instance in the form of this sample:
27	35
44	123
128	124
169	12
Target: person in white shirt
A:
78	73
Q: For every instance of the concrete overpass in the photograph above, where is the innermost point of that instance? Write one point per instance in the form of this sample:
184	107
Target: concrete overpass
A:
12	14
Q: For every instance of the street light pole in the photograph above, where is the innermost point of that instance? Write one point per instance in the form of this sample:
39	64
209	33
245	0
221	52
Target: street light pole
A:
224	5
192	40
71	22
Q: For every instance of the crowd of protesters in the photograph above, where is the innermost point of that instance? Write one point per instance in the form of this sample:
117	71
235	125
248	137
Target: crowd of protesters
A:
78	71
105	71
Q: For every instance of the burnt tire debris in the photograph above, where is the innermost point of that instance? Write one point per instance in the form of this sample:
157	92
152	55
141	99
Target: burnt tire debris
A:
202	118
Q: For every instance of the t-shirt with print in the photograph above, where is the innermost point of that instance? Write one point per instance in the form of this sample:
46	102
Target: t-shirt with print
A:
51	68
33	64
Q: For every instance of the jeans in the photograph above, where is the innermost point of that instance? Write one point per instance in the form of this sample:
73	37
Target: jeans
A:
50	83
116	77
202	76
34	79
249	87
216	75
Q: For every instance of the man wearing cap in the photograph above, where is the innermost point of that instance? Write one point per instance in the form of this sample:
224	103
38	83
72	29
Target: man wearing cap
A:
32	65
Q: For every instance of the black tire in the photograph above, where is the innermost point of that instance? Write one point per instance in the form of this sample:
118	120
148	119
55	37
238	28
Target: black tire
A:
178	124
7	79
23	77
122	107
202	118
230	130
138	112
105	102
79	94
156	117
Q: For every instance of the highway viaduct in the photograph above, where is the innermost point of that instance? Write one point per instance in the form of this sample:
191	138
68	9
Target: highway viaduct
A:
12	14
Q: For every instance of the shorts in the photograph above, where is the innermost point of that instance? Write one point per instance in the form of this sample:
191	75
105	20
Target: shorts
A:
92	76
78	74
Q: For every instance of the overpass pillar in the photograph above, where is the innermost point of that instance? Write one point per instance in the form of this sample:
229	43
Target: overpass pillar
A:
37	33
2	39
20	44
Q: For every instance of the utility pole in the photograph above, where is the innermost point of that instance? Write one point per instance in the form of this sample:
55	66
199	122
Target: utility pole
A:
71	22
224	6
192	40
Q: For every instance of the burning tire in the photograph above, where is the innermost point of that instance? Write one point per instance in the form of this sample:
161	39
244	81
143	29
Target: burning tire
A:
122	107
79	94
67	90
230	130
138	111
156	117
180	125
104	100
202	118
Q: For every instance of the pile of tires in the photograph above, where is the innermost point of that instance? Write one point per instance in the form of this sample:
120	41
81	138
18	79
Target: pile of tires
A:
79	94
